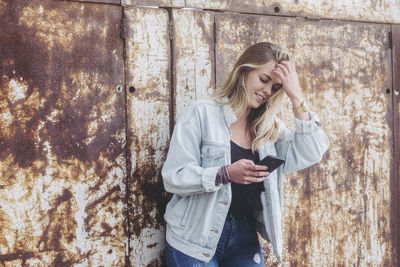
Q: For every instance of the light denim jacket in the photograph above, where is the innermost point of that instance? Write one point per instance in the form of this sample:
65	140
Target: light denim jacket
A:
200	145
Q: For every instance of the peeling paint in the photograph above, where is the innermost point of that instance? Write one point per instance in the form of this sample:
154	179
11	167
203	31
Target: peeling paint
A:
148	247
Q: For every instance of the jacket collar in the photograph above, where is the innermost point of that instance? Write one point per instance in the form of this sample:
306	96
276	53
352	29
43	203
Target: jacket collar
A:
229	115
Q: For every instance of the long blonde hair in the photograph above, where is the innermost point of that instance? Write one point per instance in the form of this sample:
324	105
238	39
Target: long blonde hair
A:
263	126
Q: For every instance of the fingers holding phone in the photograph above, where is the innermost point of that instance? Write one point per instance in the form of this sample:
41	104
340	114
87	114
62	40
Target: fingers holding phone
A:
244	171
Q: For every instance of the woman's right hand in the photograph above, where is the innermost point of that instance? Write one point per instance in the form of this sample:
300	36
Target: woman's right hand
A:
244	171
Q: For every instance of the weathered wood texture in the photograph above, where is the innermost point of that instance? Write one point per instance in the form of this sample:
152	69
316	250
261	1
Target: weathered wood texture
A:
387	11
337	213
62	135
396	137
193	57
148	108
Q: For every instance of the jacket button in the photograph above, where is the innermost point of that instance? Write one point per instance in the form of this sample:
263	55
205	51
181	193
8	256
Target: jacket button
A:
213	230
223	202
206	255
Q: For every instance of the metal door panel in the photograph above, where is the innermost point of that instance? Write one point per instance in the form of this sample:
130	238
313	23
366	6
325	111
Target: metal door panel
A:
193	55
62	135
148	108
338	211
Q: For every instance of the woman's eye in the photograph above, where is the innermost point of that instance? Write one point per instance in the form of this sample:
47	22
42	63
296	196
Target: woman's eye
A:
276	87
263	81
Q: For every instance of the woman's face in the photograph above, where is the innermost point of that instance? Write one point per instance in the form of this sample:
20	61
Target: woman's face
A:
261	84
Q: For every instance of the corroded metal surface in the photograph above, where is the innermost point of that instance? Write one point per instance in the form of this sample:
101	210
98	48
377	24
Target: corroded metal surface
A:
154	3
193	66
148	108
62	135
117	2
387	11
396	133
336	213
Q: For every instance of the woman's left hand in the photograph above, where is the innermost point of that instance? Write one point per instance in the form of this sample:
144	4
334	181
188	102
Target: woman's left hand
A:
286	72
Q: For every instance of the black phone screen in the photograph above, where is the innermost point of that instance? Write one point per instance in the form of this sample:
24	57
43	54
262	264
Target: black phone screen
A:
272	162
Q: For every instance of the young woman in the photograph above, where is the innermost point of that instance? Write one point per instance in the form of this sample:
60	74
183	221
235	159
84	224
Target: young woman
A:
222	196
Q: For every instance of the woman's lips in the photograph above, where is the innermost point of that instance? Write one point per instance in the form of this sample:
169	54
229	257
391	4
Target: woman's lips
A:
260	98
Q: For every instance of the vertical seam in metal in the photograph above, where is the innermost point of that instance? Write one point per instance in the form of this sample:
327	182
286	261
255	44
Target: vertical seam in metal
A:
171	70
215	50
127	140
395	182
396	146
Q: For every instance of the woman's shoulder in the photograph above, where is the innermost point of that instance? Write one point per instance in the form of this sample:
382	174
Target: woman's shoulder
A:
203	105
205	102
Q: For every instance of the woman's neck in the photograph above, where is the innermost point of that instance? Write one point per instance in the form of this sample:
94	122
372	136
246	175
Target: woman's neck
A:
242	118
240	131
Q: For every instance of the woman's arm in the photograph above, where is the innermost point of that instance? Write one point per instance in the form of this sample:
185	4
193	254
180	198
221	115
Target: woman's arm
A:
182	173
303	146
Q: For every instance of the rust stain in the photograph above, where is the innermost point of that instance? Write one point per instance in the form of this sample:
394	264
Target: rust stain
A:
19	255
43	241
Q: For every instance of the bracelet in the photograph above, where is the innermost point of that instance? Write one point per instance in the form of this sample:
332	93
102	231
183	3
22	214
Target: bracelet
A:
225	175
224	178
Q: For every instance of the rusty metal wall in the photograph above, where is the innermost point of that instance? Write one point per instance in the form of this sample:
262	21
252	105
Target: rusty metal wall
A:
387	11
62	135
80	157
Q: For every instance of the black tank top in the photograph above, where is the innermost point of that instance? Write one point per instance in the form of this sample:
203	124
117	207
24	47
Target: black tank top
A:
245	197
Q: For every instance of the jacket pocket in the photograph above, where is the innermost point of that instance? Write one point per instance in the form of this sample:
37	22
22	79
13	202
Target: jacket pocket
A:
186	213
212	155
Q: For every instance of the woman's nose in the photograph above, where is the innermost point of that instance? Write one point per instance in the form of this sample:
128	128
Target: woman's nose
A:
267	90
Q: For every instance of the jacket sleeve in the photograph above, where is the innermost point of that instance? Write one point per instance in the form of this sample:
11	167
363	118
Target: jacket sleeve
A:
182	173
303	146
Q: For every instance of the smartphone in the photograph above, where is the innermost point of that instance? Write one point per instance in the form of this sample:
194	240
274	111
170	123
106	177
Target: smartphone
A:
272	162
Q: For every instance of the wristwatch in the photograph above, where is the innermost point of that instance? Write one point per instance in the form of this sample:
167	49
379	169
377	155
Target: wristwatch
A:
302	108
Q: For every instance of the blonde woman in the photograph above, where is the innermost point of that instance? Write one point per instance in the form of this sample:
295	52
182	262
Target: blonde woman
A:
222	195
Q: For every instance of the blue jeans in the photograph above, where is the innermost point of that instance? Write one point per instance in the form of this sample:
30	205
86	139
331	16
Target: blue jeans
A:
237	246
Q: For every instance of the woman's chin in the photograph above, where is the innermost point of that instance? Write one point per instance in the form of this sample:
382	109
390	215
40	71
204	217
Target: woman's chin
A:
255	105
